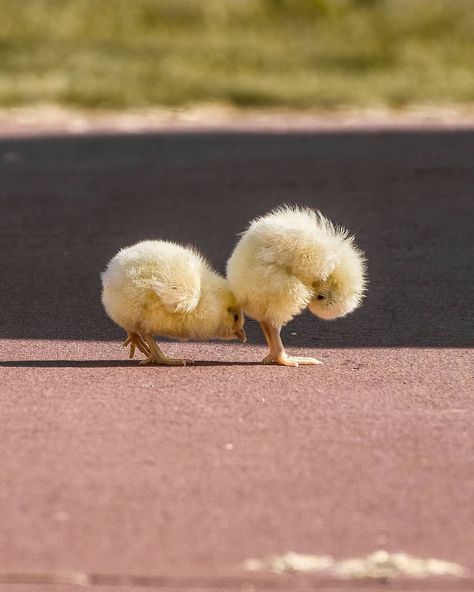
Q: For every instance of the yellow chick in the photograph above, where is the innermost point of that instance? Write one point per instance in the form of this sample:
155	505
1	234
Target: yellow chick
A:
162	288
291	259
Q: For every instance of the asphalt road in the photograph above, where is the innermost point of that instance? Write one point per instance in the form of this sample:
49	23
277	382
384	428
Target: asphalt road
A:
184	473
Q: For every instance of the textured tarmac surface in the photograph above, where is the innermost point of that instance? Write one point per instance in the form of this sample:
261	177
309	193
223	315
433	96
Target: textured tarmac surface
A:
183	473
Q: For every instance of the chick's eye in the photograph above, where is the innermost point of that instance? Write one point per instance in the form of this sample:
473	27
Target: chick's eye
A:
236	317
320	296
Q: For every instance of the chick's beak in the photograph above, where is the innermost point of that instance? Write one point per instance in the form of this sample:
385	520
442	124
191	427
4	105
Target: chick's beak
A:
240	334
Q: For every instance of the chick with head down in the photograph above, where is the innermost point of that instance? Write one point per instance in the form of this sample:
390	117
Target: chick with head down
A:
162	288
291	259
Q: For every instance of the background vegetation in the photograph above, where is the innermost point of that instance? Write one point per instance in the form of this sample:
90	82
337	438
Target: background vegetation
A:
291	53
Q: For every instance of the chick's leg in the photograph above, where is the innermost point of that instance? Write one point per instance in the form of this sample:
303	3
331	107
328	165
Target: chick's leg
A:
135	341
277	352
157	356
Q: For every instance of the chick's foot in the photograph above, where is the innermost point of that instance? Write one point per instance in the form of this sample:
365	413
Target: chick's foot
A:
165	361
158	356
282	359
135	341
277	353
305	361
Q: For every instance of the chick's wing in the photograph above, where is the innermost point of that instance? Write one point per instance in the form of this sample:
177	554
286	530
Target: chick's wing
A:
178	287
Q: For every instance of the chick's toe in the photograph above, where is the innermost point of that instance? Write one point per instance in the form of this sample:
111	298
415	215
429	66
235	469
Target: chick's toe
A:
165	361
135	341
158	356
305	361
282	359
279	359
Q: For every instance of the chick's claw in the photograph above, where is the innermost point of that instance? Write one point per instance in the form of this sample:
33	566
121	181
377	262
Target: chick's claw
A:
135	341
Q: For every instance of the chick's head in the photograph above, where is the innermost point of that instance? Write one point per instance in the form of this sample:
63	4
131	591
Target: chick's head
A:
343	290
234	324
230	315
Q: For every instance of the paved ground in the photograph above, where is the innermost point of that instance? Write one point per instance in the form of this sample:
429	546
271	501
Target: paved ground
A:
183	473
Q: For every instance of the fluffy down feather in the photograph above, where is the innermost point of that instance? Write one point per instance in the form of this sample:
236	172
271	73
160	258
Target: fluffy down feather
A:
162	288
294	258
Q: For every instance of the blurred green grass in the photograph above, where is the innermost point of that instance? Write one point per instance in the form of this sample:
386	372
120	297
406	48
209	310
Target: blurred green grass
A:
249	53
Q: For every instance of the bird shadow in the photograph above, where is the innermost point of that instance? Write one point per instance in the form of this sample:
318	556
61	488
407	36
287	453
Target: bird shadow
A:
109	364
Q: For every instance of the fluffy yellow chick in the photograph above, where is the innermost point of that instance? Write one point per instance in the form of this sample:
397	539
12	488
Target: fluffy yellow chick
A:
162	288
291	259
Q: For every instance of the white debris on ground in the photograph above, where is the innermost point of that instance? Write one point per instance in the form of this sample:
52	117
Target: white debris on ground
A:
291	562
383	564
379	564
